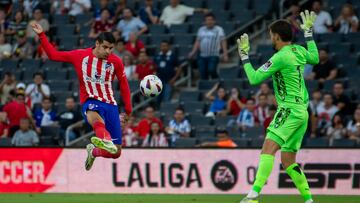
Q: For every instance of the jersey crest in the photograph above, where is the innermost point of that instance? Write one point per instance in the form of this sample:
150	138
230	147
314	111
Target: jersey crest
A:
267	65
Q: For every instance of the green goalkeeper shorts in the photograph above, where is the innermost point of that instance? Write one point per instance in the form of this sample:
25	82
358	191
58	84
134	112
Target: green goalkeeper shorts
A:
288	128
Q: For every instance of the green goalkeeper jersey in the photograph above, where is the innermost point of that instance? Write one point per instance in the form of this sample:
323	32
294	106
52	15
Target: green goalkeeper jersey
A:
286	68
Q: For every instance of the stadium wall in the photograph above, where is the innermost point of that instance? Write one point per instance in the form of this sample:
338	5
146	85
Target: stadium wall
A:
212	171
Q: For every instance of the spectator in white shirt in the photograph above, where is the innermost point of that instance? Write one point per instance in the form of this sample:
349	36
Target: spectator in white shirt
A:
347	21
79	7
353	127
38	18
179	126
323	21
176	13
37	90
326	112
130	24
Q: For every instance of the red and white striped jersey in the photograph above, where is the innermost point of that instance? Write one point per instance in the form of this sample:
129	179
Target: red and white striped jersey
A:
95	75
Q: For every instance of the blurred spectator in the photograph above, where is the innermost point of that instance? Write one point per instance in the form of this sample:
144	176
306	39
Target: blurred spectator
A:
18	24
21	86
37	90
6	5
121	6
6	85
295	18
337	129
340	99
179	126
210	39
5	47
235	102
323	21
353	127
45	116
167	70
22	48
143	127
247	117
145	67
176	13
316	101
104	4
326	112
71	116
3	22
129	67
224	141
17	110
79	7
4	125
156	137
134	45
120	49
272	112
104	24
129	135
31	5
265	89
25	136
218	102
262	109
347	21
130	24
149	14
325	69
38	18
60	7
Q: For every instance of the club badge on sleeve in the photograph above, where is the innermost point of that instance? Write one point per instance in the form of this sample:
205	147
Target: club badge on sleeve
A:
266	66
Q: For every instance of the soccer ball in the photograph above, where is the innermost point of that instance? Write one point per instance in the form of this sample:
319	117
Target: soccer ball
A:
151	86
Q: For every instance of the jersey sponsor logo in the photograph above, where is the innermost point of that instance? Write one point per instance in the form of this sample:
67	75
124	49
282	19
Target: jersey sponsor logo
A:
267	65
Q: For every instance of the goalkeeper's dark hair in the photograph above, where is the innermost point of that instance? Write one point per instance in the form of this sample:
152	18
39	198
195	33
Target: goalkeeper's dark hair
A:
283	29
106	36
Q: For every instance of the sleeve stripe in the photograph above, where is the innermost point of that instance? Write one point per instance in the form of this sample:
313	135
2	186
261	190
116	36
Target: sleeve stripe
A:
309	38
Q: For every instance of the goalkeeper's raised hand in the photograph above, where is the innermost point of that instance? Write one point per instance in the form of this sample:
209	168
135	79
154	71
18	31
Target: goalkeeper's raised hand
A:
308	19
243	47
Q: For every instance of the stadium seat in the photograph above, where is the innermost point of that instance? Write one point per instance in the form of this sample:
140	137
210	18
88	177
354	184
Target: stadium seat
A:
198	120
52	65
206	84
69	42
257	142
47	141
83	18
343	143
56	75
30	63
241	142
145	39
59	107
215	5
228	27
343	48
255	132
186	96
196	18
183	39
179	29
59	19
237	83
193	107
156	39
229	73
61	96
312	84
183	51
223	121
65	30
203	139
8	64
29	73
157	29
185	142
331	37
72	74
84	31
50	131
261	7
238	5
243	17
59	85
265	48
222	16
317	142
5	142
133	84
168	107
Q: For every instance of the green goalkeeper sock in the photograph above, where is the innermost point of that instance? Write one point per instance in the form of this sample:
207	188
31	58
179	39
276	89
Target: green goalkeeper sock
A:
266	164
299	179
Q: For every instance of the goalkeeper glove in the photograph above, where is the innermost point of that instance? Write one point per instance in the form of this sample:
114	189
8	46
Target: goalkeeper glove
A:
243	47
308	20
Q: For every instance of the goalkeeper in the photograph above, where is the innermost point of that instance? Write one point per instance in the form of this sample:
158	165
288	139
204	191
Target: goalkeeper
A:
288	127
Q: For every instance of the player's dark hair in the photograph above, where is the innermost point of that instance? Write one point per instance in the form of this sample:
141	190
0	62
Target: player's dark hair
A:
283	29
38	74
211	15
106	36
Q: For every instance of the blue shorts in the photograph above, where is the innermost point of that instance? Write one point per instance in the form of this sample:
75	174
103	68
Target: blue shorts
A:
109	113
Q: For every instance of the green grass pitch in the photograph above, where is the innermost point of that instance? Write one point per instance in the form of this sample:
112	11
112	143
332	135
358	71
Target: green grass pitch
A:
119	198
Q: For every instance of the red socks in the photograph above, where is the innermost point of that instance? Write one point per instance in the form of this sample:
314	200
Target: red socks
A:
100	130
102	153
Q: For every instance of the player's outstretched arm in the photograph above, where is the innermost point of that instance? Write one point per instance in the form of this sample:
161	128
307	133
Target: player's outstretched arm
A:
308	19
51	52
254	76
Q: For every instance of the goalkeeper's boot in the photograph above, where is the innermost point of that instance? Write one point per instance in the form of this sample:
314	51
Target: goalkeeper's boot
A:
104	144
250	200
90	157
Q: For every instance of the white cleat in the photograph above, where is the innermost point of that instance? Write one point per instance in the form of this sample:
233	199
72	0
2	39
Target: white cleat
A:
106	145
250	200
90	158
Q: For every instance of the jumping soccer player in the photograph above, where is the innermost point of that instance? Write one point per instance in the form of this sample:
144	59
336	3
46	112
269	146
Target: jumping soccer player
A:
96	68
288	127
